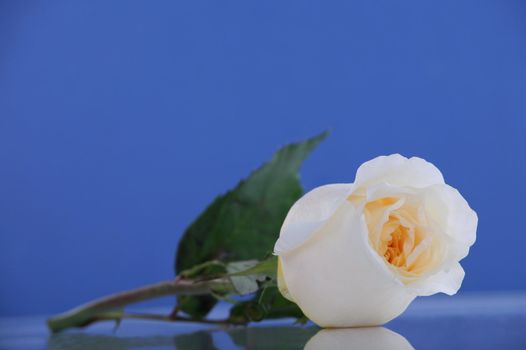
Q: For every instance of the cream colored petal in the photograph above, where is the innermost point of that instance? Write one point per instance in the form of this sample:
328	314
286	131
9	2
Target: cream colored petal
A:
398	170
308	214
446	281
385	190
370	338
449	213
338	280
377	216
282	285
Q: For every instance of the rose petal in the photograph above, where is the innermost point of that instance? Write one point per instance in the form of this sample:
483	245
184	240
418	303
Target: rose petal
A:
282	285
308	214
446	281
397	170
449	213
338	280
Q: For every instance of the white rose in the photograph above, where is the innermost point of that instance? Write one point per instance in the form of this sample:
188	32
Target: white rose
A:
357	254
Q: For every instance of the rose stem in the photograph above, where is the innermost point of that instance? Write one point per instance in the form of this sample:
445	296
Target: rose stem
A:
95	310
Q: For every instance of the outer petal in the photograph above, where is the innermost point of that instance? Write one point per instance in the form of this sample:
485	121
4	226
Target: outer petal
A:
282	285
449	212
308	214
338	280
445	281
397	170
372	338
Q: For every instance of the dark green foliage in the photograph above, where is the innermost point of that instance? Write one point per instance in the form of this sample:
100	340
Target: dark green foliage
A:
244	223
268	303
276	337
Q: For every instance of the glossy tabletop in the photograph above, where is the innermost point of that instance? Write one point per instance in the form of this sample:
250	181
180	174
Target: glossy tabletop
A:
477	321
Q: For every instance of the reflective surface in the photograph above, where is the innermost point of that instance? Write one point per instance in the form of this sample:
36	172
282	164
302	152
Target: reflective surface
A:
463	322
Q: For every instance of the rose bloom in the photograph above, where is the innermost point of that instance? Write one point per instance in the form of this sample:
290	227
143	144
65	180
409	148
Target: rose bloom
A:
357	254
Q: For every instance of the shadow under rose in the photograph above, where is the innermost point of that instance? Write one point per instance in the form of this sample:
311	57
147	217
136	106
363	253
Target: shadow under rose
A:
254	338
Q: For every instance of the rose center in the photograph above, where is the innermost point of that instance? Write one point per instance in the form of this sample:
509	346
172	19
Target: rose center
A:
395	234
394	252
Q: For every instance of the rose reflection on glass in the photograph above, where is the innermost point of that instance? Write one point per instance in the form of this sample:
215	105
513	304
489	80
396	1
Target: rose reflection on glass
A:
370	338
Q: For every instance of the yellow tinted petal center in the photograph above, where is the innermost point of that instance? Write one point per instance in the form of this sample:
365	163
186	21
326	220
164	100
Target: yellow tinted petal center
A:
399	236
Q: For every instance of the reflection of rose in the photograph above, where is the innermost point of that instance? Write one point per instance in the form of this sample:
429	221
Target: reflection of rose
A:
373	338
358	254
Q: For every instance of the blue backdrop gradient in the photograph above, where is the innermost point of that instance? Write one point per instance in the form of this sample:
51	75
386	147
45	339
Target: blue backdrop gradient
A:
121	120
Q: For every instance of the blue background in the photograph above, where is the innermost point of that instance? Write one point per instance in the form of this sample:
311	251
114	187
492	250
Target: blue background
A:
121	120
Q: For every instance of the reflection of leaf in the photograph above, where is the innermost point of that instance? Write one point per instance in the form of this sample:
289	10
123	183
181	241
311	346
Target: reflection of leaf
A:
84	341
198	340
244	223
268	337
285	338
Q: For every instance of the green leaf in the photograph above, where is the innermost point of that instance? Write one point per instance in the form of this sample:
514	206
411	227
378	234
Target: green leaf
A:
249	275
207	270
244	223
267	267
244	284
268	303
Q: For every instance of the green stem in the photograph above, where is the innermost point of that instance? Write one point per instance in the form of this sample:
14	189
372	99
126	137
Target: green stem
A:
95	310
